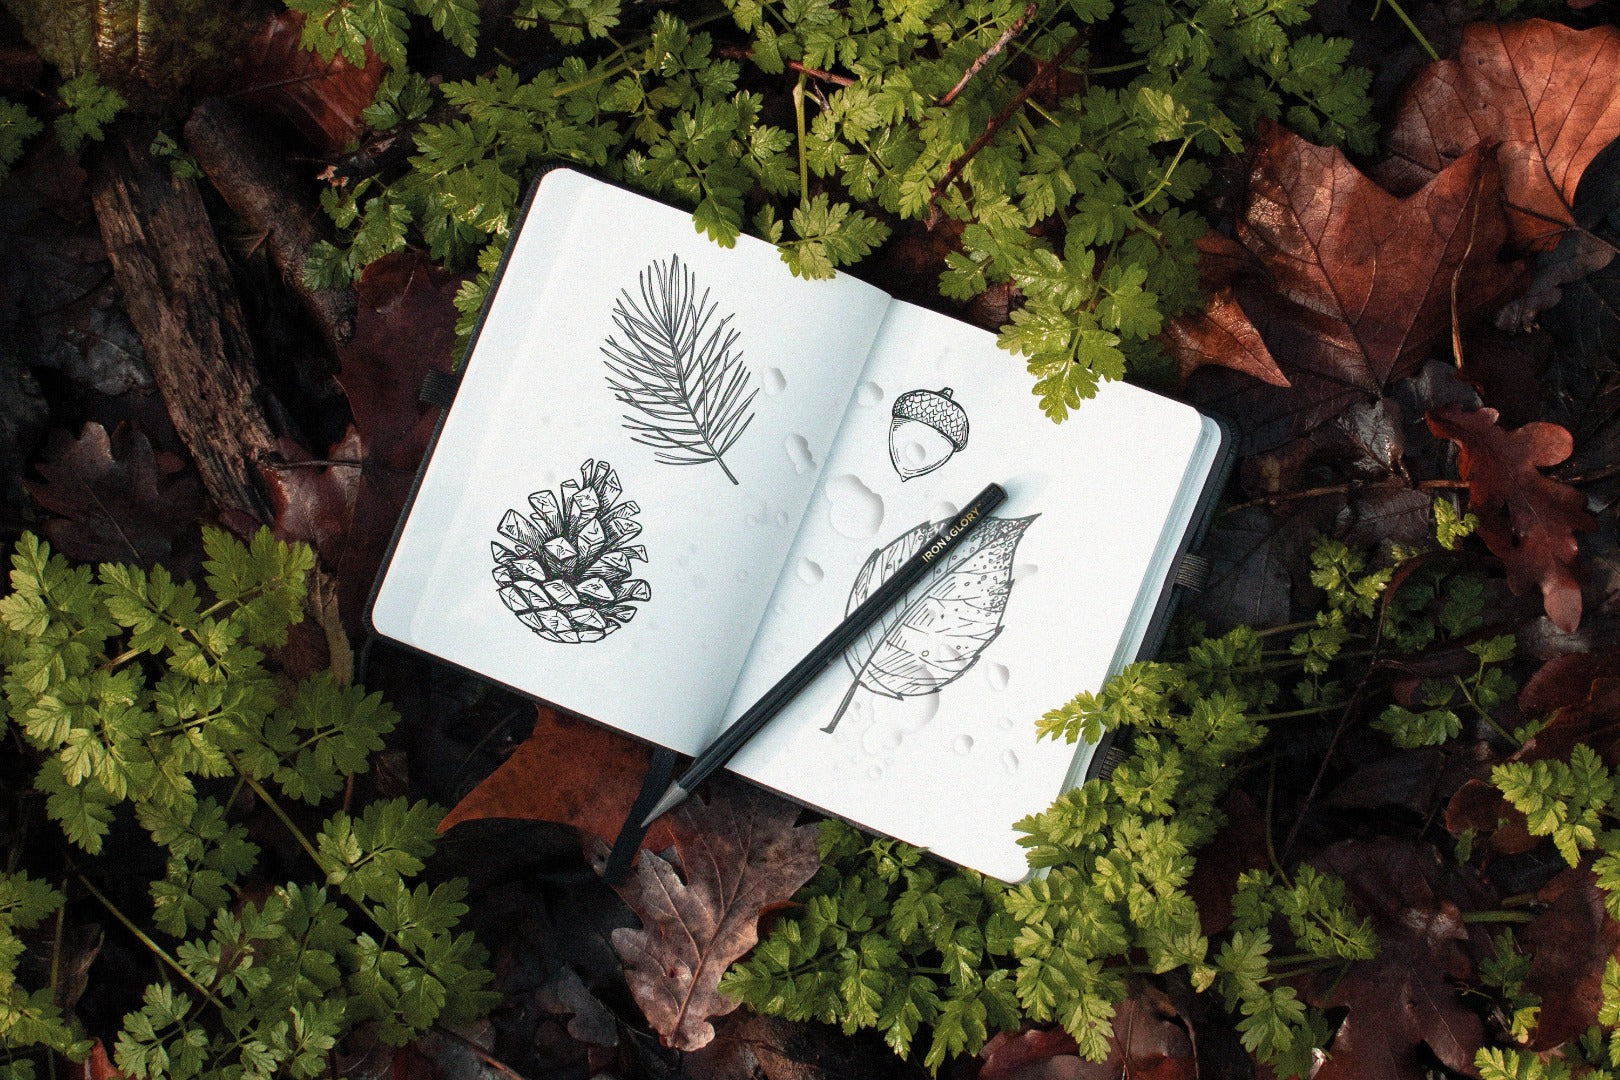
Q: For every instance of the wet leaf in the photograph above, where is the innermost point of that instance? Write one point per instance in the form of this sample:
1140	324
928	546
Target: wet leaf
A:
321	99
1528	520
114	498
568	771
1544	95
1357	284
735	855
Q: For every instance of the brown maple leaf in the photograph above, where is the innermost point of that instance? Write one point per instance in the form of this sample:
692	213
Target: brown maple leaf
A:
1545	96
568	771
1528	520
1350	287
737	854
1221	334
116	500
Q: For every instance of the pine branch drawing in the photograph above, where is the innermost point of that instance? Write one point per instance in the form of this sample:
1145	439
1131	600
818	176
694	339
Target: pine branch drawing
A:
678	369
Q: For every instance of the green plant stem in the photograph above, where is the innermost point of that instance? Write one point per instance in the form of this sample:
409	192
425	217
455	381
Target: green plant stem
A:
804	161
1164	181
1292	713
1497	916
1483	713
145	939
281	814
1406	20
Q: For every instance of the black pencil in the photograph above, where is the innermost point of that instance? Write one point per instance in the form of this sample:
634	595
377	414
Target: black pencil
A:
832	646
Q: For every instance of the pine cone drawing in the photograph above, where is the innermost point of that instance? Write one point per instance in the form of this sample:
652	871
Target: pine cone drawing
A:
567	575
926	428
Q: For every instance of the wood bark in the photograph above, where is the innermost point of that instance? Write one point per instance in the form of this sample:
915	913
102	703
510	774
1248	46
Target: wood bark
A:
179	294
262	191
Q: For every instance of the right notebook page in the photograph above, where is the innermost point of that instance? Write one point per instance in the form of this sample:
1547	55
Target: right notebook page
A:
925	729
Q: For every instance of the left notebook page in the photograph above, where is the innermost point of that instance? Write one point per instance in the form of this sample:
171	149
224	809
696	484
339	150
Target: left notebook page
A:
617	485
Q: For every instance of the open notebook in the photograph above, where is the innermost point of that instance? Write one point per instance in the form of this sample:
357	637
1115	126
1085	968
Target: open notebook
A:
670	468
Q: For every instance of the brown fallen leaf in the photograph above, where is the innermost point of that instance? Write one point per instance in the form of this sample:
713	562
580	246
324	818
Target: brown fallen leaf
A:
1353	288
1546	96
736	854
568	771
1221	334
404	328
1528	520
321	99
114	498
1569	943
1149	1043
1401	1001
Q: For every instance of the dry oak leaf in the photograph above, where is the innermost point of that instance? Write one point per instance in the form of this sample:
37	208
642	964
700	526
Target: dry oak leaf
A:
737	854
1528	520
1352	288
116	499
568	771
1545	96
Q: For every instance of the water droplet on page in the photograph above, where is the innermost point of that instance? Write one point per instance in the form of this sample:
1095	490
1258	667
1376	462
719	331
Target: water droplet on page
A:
855	510
1005	723
774	381
963	744
943	510
741	576
1009	762
781	519
875	773
810	572
799	455
1024	571
996	675
868	394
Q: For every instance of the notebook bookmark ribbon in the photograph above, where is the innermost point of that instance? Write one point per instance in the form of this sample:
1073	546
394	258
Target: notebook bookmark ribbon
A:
660	772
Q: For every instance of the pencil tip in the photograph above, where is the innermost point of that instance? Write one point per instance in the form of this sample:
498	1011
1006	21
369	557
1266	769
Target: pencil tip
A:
672	797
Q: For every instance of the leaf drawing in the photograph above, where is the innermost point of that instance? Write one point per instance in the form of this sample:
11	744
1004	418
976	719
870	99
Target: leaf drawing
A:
678	369
931	639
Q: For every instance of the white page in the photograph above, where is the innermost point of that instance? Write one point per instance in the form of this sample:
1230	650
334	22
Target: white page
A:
953	770
536	403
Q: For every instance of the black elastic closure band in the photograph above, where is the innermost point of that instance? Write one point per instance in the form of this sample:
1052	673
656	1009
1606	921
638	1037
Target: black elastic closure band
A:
439	388
659	774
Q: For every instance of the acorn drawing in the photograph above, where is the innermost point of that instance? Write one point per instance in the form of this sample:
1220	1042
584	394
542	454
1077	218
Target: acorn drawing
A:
567	574
926	429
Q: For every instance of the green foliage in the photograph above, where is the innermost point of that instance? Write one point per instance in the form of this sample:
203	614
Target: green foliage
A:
146	698
91	107
890	940
16	128
887	938
348	26
1079	195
